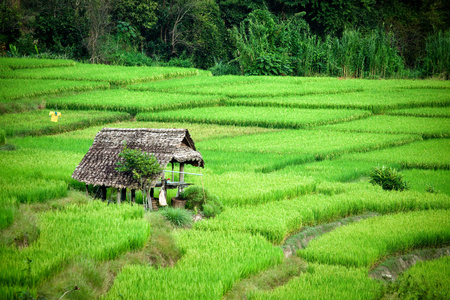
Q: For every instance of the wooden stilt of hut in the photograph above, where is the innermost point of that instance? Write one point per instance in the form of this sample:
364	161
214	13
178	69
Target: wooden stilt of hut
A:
98	166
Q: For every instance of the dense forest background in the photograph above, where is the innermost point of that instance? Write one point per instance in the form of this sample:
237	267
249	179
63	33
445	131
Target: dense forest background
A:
350	38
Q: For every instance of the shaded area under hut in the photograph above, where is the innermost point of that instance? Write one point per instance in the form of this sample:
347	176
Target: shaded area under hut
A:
98	166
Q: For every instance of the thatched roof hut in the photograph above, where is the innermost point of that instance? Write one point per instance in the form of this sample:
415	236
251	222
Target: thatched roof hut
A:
168	145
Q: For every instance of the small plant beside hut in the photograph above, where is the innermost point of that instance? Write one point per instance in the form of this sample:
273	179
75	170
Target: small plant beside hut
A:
142	165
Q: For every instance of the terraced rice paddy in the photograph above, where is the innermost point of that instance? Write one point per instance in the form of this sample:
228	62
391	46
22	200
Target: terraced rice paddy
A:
281	154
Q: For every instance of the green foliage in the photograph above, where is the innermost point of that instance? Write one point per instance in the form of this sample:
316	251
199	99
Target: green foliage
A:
437	59
202	199
141	165
177	216
388	178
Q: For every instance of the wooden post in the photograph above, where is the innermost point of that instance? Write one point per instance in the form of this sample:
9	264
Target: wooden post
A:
87	191
118	196
180	189
103	188
123	195
133	196
149	201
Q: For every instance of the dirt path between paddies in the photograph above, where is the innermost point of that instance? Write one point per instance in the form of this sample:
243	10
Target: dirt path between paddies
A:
391	268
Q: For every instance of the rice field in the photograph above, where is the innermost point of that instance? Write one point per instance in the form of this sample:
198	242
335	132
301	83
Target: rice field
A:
38	122
364	243
25	88
426	127
440	112
131	101
281	154
31	63
269	117
115	75
430	154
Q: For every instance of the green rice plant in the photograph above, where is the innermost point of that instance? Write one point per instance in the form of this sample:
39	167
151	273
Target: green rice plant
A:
38	122
364	243
131	101
196	275
388	178
321	87
252	86
8	209
377	98
269	117
31	63
251	188
425	180
116	75
429	154
28	189
21	88
437	59
177	216
95	230
329	204
425	280
306	145
2	137
330	170
427	127
322	281
428	112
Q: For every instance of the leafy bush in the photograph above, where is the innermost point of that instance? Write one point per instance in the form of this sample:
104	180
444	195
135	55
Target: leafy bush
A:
212	208
389	179
177	216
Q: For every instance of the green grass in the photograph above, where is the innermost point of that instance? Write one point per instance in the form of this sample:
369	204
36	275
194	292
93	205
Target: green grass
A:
440	112
132	101
116	75
364	243
38	122
268	117
212	262
426	127
428	180
425	280
95	231
302	146
21	88
375	100
30	63
269	86
429	154
325	282
278	219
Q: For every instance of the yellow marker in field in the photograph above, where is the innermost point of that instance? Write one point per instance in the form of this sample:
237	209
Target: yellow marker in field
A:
54	116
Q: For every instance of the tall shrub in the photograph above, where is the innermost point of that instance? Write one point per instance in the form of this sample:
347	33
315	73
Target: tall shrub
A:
437	59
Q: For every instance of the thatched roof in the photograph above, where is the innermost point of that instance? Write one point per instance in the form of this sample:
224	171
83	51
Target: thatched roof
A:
168	145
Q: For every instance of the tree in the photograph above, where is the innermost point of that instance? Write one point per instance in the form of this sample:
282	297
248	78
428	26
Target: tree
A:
141	165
